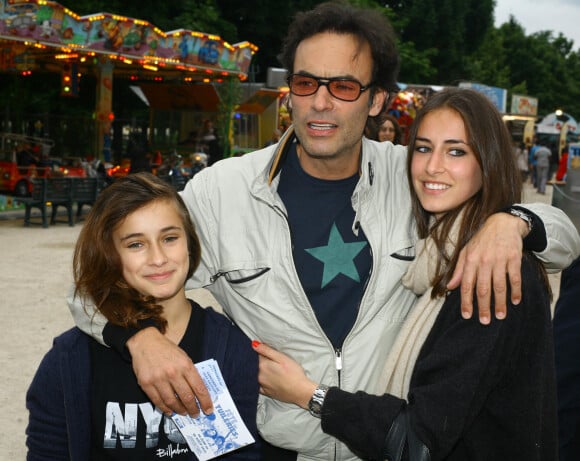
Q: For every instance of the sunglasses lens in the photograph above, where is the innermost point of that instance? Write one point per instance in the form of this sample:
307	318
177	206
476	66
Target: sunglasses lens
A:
348	90
302	85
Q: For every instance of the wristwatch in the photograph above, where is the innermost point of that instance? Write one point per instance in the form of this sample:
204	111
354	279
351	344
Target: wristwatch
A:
317	400
522	215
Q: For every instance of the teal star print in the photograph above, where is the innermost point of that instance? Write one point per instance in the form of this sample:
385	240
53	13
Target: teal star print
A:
338	257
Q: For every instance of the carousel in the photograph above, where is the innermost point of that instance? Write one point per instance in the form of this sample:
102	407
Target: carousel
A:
45	36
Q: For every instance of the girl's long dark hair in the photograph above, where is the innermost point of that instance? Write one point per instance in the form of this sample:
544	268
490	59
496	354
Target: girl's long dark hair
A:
97	266
501	187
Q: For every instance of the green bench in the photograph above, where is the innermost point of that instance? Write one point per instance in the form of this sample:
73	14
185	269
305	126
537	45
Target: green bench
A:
60	192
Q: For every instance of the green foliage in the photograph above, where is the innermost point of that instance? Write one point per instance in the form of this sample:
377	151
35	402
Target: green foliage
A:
416	66
488	64
444	32
198	15
230	93
538	65
204	16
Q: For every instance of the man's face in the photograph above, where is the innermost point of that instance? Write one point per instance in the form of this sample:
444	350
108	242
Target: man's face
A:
329	129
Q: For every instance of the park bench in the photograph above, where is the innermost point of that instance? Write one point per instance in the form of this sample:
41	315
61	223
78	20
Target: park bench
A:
57	192
47	192
85	191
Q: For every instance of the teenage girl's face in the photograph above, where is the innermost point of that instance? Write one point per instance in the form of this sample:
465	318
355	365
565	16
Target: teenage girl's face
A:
387	131
152	245
444	168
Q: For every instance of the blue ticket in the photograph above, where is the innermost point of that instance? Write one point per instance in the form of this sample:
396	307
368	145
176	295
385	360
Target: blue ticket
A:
209	436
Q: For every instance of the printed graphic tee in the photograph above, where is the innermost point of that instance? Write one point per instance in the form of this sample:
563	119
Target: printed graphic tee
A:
125	423
332	261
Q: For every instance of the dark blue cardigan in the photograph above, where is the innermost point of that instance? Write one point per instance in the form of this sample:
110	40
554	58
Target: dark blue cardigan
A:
567	346
58	399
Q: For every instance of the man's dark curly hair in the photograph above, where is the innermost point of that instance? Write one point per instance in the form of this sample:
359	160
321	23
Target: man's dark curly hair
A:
366	25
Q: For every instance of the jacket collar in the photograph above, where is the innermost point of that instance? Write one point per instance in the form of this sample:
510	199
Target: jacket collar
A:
282	152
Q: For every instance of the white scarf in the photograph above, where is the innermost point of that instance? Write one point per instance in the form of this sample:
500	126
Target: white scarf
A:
404	352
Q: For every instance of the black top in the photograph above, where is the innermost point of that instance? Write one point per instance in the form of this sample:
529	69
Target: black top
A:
125	424
477	392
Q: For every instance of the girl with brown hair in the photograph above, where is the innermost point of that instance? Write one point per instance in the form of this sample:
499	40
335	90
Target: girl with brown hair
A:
137	248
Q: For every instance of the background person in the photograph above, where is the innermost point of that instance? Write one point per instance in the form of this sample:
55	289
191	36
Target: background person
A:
207	141
133	255
521	154
390	130
385	130
532	162
271	222
563	166
567	347
554	160
25	158
542	167
467	391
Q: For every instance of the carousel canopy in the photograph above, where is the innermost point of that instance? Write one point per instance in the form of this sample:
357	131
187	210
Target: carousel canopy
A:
38	35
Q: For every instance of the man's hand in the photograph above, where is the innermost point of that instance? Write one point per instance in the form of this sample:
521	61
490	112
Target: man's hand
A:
496	250
167	374
282	378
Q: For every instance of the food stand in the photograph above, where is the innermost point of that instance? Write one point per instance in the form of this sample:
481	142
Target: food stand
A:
522	118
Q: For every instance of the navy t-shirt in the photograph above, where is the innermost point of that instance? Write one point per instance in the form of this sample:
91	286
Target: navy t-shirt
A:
332	262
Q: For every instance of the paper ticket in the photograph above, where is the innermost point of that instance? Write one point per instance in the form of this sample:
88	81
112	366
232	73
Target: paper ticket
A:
209	436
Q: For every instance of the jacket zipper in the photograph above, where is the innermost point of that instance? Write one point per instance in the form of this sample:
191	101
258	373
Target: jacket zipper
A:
216	276
338	363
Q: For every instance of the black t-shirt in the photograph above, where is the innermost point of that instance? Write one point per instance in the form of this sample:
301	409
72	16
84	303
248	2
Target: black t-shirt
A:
125	425
333	263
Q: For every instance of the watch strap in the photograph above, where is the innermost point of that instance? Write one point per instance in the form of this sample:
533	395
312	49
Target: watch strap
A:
519	213
317	400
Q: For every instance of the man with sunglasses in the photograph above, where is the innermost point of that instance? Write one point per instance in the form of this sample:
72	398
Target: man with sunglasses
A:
305	242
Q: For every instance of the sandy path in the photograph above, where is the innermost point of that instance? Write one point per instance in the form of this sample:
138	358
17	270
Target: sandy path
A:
35	273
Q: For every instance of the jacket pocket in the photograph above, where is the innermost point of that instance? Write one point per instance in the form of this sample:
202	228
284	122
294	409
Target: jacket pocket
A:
404	254
239	276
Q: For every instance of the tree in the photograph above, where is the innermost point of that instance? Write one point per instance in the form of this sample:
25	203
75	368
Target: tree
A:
443	32
546	67
263	25
488	64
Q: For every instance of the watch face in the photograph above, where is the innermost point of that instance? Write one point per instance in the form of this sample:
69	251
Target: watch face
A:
317	400
315	407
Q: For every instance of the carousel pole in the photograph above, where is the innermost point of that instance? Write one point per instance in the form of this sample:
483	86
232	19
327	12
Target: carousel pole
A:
104	112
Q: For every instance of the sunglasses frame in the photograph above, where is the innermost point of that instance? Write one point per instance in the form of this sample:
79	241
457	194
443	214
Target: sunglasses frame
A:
327	82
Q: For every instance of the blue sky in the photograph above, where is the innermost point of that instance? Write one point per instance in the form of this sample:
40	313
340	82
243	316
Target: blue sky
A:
538	15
